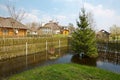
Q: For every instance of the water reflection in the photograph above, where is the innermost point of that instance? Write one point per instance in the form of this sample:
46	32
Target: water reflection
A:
108	61
84	61
15	65
108	66
113	58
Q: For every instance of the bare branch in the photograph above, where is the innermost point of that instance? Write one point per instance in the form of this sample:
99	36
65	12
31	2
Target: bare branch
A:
14	13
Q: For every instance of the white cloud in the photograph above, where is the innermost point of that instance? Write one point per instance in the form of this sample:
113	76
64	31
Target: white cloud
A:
44	17
99	10
35	12
60	17
36	16
104	17
29	17
3	7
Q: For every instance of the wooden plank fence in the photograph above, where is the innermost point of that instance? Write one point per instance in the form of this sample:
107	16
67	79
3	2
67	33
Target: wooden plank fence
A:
13	47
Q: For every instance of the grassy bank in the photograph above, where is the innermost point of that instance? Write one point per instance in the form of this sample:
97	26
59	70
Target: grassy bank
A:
66	72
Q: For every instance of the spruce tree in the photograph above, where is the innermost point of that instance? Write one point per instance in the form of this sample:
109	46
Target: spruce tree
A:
83	39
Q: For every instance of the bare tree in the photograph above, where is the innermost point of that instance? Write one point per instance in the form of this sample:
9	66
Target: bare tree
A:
115	31
91	20
71	28
33	24
18	15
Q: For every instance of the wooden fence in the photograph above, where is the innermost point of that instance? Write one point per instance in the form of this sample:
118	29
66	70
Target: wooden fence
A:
13	47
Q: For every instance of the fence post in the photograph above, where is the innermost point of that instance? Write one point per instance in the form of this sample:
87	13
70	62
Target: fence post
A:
46	49
26	53
59	43
59	47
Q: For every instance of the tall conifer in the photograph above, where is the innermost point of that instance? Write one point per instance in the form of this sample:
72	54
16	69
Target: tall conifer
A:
83	39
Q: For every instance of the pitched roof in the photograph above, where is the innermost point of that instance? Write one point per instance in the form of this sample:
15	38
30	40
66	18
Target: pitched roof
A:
103	31
52	25
11	23
33	28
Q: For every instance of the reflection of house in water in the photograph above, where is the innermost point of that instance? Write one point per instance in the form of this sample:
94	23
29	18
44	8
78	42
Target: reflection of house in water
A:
103	35
11	28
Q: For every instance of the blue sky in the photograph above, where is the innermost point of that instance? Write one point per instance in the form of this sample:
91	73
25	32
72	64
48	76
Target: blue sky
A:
105	12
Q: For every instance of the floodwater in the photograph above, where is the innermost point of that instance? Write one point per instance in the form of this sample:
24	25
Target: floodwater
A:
13	66
106	61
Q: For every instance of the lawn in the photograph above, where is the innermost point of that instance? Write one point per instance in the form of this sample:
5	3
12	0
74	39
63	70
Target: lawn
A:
66	72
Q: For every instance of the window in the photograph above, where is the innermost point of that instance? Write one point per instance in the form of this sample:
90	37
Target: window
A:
5	31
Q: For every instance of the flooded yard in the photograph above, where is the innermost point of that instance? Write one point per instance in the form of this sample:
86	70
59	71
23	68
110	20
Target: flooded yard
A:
16	65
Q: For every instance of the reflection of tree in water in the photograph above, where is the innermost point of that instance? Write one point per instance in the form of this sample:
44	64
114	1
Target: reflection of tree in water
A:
83	60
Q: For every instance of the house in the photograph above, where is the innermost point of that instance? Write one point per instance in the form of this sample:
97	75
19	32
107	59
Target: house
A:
32	31
32	28
103	35
53	26
44	31
65	30
11	28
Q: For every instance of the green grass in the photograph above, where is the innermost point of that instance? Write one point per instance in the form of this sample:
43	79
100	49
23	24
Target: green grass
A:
66	72
60	35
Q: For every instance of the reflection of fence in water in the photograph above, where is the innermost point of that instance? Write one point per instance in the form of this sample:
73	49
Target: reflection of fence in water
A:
14	65
110	57
109	51
18	64
110	46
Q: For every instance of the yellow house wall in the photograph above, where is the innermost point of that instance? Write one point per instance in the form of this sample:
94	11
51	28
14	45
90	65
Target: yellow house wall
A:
21	33
0	31
65	32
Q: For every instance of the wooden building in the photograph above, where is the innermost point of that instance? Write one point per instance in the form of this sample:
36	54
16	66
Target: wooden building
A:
11	28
